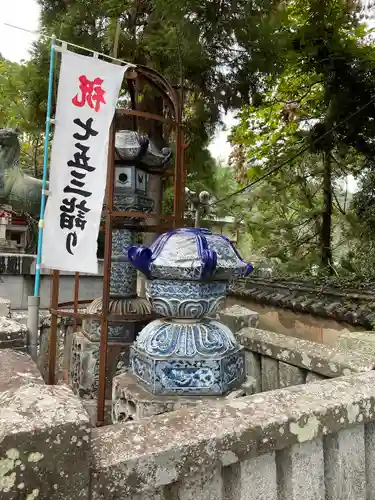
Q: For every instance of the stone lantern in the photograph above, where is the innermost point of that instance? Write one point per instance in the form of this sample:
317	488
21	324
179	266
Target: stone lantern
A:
187	352
135	157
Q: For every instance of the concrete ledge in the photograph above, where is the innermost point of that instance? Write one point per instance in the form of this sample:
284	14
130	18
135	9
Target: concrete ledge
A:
362	342
318	358
13	335
44	435
5	308
140	457
45	439
17	369
237	317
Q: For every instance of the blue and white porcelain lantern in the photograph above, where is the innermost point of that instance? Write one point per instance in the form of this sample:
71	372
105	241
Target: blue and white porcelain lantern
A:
187	352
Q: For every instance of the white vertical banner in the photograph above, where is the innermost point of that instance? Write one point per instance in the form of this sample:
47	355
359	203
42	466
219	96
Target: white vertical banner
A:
86	101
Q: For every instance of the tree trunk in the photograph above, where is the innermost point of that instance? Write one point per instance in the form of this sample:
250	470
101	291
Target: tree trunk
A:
155	192
155	188
35	159
154	129
326	230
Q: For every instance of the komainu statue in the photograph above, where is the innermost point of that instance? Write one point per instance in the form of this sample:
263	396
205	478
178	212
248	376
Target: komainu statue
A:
22	192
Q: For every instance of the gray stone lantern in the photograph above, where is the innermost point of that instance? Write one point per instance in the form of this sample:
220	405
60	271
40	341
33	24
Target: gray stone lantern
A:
135	157
186	352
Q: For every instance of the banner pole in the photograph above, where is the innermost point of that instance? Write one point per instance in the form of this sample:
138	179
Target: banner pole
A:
45	169
33	301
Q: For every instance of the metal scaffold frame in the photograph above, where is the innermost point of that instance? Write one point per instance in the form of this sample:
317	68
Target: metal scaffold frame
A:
119	219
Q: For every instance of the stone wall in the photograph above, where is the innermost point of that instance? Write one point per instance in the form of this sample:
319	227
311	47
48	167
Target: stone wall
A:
277	361
272	360
45	436
314	440
13	334
356	307
17	276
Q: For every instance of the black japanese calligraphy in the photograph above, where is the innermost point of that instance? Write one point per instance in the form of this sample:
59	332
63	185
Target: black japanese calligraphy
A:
69	205
69	218
79	192
66	221
73	211
81	160
89	131
71	242
80	220
78	175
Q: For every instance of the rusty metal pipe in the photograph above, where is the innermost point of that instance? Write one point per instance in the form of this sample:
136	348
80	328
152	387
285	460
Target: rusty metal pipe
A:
76	297
106	276
52	344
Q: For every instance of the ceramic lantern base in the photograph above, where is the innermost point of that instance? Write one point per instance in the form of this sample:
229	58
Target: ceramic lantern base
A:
190	358
119	332
186	299
84	366
130	401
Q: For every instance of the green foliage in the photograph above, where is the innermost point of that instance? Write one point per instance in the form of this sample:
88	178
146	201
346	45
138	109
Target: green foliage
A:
294	68
217	53
11	86
328	75
15	83
216	178
360	259
364	205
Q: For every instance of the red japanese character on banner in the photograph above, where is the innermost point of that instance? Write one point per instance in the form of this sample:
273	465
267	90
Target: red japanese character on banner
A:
91	93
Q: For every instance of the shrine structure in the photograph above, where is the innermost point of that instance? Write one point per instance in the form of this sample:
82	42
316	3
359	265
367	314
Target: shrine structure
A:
110	324
186	352
135	158
171	344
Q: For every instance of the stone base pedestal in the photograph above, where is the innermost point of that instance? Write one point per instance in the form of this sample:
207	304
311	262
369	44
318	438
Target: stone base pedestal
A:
130	401
5	308
13	335
84	365
8	246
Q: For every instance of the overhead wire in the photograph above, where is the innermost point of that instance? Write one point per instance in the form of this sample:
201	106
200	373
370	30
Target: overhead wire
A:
65	44
293	157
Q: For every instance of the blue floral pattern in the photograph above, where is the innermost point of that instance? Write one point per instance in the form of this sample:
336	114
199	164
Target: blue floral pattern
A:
191	254
186	353
186	299
208	338
192	377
